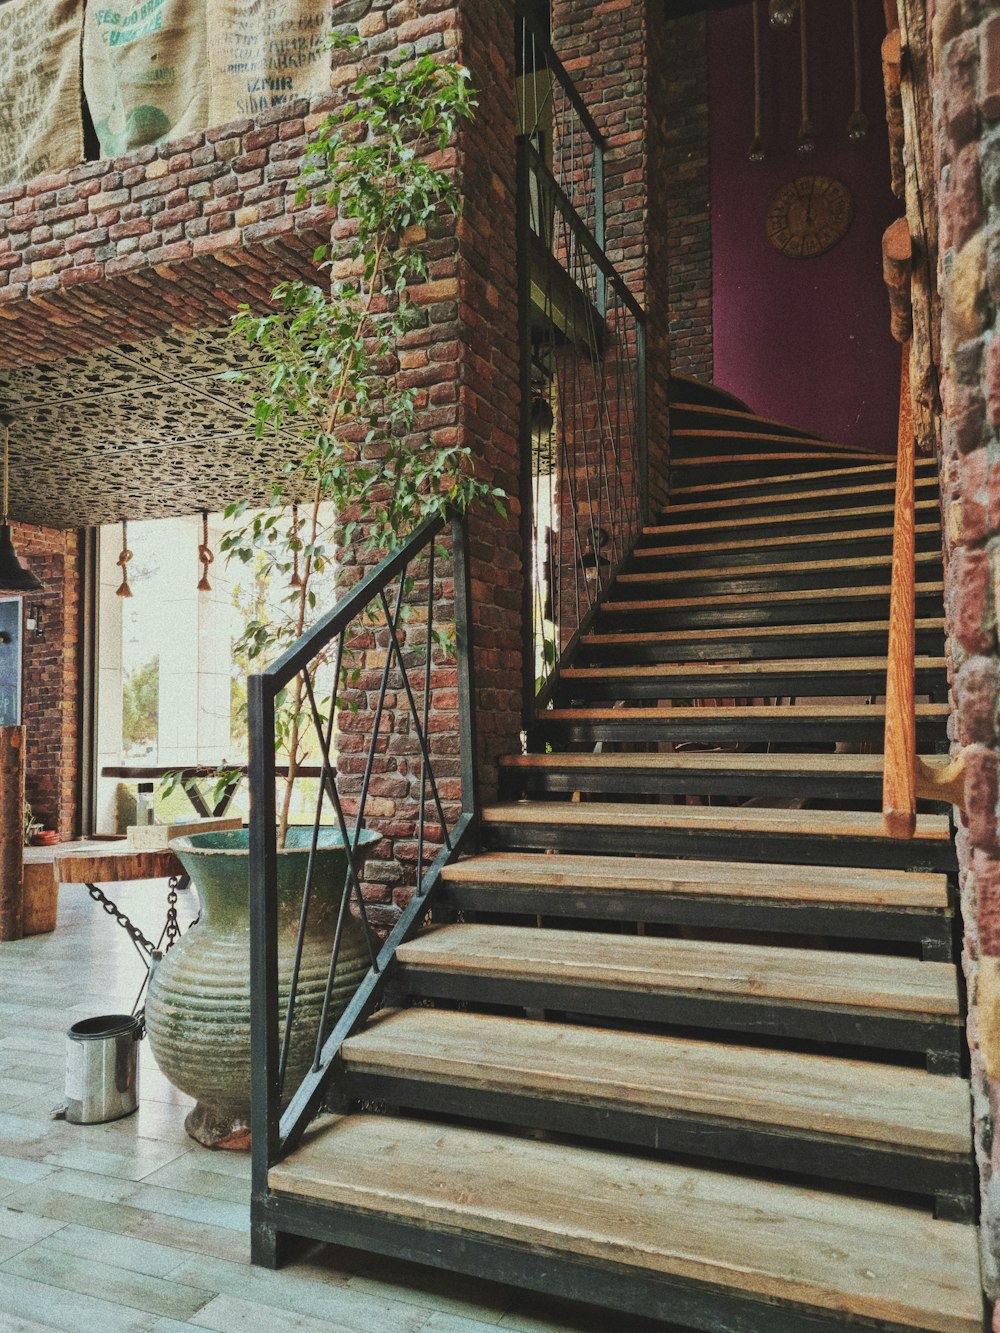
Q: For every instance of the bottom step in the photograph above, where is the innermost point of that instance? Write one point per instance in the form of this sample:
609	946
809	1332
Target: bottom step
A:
700	1248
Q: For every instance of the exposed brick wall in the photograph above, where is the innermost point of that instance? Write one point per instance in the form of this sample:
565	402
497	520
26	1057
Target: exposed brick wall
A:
615	50
966	56
686	195
50	676
174	236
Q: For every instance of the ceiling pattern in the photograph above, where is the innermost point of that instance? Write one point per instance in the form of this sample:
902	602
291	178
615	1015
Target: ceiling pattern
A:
143	430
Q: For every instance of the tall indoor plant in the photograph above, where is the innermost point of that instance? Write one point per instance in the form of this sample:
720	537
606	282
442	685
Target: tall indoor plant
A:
324	375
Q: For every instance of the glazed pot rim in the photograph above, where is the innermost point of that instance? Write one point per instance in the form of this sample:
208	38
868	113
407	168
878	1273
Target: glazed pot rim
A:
330	840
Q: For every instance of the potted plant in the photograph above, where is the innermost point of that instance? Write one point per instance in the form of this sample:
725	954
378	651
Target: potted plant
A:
324	370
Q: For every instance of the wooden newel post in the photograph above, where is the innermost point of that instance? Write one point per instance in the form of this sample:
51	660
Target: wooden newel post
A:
11	832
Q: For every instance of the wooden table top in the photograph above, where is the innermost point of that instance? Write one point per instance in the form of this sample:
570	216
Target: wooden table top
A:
104	862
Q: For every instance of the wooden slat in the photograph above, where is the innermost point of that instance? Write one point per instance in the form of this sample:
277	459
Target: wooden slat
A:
857	764
755	632
899	791
798	711
860	563
709	670
662	1075
898	889
821	446
668	966
820	595
811	516
732	414
785	539
739	819
772	1241
794	480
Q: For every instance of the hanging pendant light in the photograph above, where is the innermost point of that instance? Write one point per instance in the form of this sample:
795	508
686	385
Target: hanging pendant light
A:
756	151
857	126
204	554
782	13
807	135
13	575
123	589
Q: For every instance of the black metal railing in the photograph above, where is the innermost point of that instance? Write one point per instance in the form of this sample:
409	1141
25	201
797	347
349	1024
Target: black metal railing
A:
553	117
376	677
584	461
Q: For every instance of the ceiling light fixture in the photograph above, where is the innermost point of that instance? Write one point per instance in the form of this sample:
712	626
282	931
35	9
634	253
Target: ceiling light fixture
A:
13	575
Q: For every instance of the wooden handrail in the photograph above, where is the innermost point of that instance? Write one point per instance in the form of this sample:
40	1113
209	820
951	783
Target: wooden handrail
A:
899	779
906	776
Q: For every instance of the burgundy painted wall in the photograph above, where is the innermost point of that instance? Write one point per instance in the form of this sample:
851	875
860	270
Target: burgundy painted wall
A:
804	341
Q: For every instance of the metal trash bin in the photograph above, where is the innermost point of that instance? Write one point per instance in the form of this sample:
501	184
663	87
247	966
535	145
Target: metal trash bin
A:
102	1068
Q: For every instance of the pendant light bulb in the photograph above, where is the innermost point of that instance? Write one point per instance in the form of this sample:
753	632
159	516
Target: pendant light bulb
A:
781	13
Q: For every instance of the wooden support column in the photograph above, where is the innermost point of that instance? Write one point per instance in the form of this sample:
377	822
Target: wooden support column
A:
897	267
11	832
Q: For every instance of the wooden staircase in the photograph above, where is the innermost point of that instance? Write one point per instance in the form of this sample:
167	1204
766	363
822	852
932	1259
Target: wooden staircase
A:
686	1039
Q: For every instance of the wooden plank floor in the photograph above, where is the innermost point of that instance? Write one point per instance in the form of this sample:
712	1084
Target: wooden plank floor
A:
132	1226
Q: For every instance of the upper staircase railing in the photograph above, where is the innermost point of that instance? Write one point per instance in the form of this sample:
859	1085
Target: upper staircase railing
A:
369	673
584	483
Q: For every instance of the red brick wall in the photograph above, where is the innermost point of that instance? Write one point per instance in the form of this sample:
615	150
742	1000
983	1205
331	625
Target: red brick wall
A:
966	87
686	202
50	676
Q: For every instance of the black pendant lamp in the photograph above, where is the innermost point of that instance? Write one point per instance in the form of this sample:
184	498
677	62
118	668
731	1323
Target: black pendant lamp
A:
13	575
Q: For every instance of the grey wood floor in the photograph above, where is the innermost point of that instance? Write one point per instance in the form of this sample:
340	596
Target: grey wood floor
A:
131	1225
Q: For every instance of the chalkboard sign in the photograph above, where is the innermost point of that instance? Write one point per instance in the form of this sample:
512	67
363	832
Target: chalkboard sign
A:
10	662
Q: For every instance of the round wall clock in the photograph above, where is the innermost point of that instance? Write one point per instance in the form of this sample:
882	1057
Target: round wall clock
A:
808	216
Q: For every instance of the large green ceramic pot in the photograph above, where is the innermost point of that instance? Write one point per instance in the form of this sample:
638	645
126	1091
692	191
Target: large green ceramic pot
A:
198	1008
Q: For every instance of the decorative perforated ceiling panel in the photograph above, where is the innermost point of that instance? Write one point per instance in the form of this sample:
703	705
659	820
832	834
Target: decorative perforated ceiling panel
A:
146	430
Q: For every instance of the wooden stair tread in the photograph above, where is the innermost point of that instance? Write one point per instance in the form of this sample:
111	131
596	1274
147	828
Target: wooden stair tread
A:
799	455
722	712
799	665
736	763
806	480
815	1094
738	819
785	539
820	446
821	595
778	1242
756	571
663	966
755	632
737	415
757	520
899	889
926	470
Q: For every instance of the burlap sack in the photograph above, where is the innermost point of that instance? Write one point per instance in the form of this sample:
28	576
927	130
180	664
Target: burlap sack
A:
265	53
41	123
145	71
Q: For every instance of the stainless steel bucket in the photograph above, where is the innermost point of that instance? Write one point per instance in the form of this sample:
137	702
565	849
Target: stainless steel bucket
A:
102	1068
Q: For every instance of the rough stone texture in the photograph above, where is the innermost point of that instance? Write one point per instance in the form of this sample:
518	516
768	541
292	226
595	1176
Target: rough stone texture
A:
50	677
966	58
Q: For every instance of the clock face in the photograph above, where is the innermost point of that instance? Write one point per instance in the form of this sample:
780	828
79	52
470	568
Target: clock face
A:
808	216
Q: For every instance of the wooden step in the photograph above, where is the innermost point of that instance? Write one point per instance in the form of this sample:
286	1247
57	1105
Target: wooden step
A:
719	724
857	638
656	1239
861	515
845	998
682	412
688	442
727	680
854	778
799	606
819	1115
791	488
795	575
697	391
757	549
743	833
846	902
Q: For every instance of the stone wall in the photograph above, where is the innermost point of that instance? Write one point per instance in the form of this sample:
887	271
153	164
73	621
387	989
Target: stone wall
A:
51	676
966	88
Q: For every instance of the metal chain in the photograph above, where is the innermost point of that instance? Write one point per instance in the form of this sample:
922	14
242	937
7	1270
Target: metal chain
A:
133	931
172	929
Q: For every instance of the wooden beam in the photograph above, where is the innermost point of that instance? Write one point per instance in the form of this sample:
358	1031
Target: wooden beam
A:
897	266
11	832
891	67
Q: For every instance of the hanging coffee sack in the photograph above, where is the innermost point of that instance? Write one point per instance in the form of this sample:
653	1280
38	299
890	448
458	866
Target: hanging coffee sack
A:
41	124
265	53
145	72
